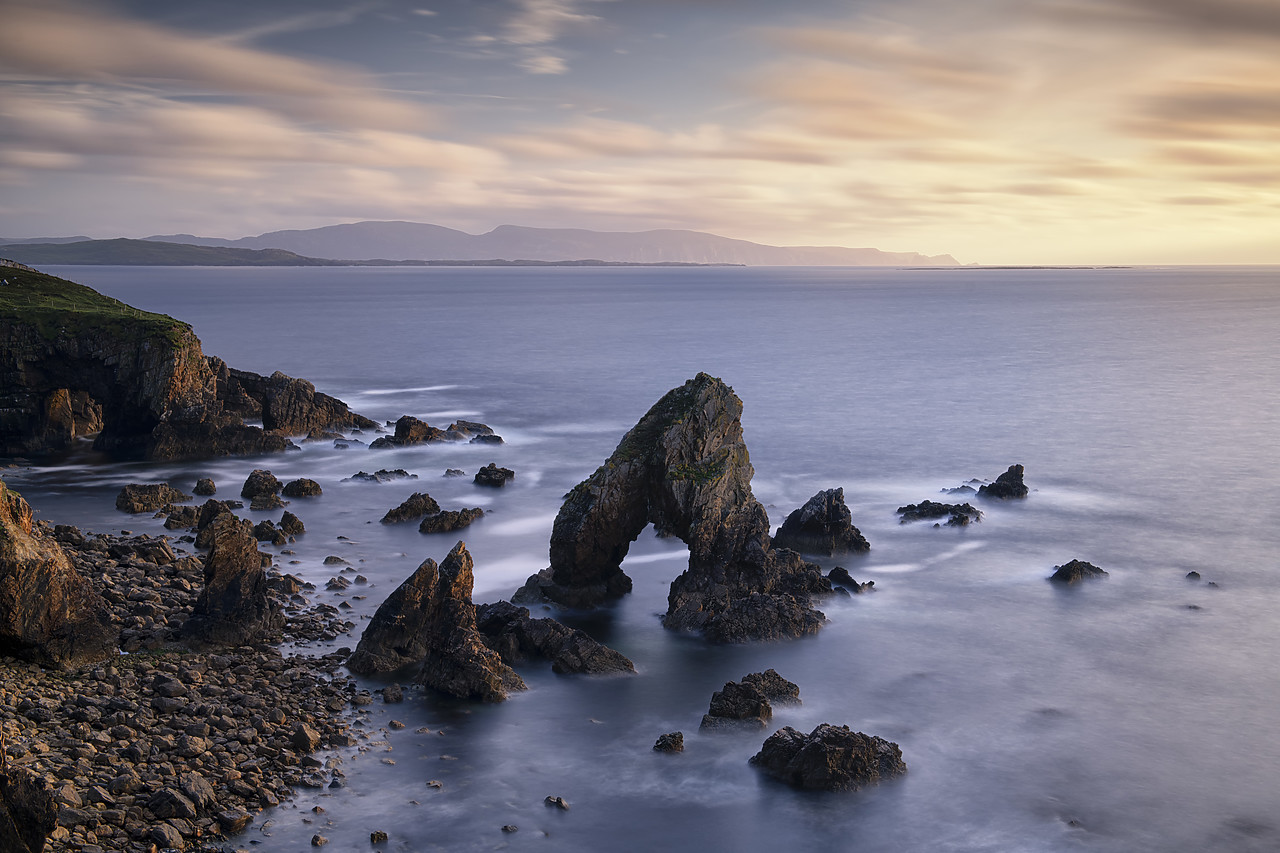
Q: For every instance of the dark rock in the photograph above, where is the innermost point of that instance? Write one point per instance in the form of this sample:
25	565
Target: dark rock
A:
450	520
287	406
557	802
149	497
167	803
264	503
260	483
266	531
1007	485
291	524
414	507
410	431
382	475
830	758
454	472
430	620
822	526
231	821
302	488
487	439
28	812
959	514
493	476
672	742
49	614
775	688
210	511
167	837
377	836
1076	571
1193	576
738	704
840	576
304	738
233	609
516	636
683	467
392	694
182	517
205	487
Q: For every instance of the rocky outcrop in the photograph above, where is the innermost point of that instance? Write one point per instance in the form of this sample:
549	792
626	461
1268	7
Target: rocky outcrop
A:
74	363
670	742
830	758
233	609
28	812
450	520
840	577
49	614
382	475
430	621
822	526
957	515
412	508
1076	571
775	688
148	497
684	468
493	476
302	488
749	701
411	431
205	488
511	632
1007	485
260	482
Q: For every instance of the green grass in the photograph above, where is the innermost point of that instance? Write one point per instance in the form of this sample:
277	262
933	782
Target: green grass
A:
57	307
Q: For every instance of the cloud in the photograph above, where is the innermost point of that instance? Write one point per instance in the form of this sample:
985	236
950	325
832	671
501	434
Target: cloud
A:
544	21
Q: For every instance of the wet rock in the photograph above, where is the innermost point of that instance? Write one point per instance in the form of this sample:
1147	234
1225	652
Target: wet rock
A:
393	694
1076	571
412	508
233	608
205	487
841	577
957	515
49	614
1193	576
260	483
430	620
28	812
738	704
318	840
683	467
454	472
410	431
517	637
671	742
302	488
822	526
167	837
830	758
382	475
148	497
265	503
266	531
557	802
291	524
510	827
377	836
450	520
305	738
487	439
1007	485
774	687
493	476
182	517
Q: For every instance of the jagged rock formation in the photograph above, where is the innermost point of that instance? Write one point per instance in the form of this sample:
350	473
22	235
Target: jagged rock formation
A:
28	812
382	475
684	468
493	476
148	497
1007	485
233	608
205	488
830	758
1076	571
749	701
48	613
450	520
957	515
840	577
430	620
74	362
512	633
411	431
302	488
412	508
670	742
822	526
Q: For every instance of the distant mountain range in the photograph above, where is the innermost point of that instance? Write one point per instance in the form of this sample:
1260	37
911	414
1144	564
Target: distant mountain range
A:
413	241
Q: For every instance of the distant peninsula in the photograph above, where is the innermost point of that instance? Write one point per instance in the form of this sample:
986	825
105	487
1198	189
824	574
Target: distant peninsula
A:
415	243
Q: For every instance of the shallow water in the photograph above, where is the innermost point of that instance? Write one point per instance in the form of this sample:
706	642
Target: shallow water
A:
1113	717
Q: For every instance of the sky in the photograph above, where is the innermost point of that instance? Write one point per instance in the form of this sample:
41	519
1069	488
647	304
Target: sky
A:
998	131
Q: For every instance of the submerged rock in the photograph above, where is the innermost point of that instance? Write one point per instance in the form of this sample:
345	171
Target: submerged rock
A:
670	742
412	508
958	515
738	704
1076	571
684	468
822	526
233	609
1007	485
382	475
302	488
49	614
450	520
493	476
775	688
830	758
841	577
148	497
510	631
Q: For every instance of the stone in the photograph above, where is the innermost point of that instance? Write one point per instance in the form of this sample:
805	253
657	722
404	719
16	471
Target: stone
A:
265	503
182	517
841	577
49	614
671	742
1007	485
774	687
830	758
454	472
260	482
493	476
1193	576
148	497
557	802
449	520
822	526
382	475
377	836
392	694
738	704
28	813
166	836
318	840
305	738
684	468
233	608
302	488
409	431
1076	571
517	637
205	487
412	508
231	821
957	515
167	803
291	525
266	531
430	620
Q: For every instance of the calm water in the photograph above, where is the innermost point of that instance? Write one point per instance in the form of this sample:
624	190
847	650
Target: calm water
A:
1114	717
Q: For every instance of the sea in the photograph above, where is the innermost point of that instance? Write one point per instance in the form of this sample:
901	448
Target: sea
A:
1139	712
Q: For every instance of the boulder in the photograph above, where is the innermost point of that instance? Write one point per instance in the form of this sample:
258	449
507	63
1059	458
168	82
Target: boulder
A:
1076	571
450	520
148	497
830	758
260	483
182	517
822	526
291	524
429	620
205	488
685	469
670	742
49	614
775	688
410	431
738	704
412	508
264	503
302	488
266	531
957	515
233	609
840	576
517	637
209	511
382	475
1007	485
28	812
493	476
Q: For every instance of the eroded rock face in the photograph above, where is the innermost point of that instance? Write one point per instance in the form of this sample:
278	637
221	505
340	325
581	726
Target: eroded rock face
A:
830	758
287	406
148	497
684	468
28	812
510	631
1007	485
822	526
429	620
233	608
48	613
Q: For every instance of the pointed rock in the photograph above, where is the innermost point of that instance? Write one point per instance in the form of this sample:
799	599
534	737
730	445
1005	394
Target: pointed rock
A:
1007	485
233	608
822	526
